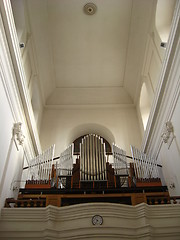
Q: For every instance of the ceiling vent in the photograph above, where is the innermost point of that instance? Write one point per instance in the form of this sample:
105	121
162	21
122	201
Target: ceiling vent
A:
90	8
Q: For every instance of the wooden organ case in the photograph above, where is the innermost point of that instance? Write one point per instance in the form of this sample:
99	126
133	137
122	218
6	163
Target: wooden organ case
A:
93	171
93	178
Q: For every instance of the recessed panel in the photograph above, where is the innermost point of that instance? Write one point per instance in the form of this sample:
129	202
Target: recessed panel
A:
89	50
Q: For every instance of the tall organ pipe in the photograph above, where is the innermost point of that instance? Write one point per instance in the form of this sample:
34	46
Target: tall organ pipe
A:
92	159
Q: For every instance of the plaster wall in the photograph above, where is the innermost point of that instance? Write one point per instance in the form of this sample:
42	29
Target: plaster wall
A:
170	156
13	153
75	222
151	71
11	157
63	126
158	140
155	53
175	121
5	127
28	57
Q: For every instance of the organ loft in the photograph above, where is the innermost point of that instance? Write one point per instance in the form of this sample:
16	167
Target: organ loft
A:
91	170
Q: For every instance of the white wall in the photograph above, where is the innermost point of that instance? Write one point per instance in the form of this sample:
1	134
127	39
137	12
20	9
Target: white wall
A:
63	126
151	71
28	57
12	154
11	157
165	108
170	155
147	222
154	54
164	13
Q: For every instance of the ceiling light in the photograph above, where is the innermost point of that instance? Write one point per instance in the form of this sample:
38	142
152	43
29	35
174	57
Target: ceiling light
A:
90	8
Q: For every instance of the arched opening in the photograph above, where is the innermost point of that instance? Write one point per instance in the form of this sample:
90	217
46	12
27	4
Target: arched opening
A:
163	19
94	128
19	17
144	104
79	140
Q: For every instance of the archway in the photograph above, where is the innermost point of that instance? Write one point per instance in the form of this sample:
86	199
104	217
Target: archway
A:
79	140
163	18
144	104
94	128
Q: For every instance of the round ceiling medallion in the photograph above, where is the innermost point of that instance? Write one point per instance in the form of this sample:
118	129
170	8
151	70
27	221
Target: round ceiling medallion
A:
90	8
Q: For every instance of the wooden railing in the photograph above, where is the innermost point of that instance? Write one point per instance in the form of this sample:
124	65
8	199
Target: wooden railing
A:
32	201
24	203
153	200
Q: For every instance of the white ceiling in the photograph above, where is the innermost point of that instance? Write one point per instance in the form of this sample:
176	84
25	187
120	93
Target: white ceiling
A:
85	59
89	51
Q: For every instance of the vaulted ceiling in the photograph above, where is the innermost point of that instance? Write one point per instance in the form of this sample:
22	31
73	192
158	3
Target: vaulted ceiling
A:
89	59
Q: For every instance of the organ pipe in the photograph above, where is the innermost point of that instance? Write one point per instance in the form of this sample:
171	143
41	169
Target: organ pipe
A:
93	162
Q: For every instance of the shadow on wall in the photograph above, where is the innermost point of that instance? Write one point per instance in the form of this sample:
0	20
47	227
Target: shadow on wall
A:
84	129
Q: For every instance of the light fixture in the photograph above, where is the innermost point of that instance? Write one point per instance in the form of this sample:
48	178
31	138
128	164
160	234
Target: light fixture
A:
90	8
163	44
21	45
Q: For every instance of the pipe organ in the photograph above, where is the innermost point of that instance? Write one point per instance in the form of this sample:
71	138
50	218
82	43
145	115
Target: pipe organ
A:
93	173
64	165
120	161
92	159
145	167
92	170
40	166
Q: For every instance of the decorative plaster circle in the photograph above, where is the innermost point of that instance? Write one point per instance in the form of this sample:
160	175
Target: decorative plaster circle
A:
90	8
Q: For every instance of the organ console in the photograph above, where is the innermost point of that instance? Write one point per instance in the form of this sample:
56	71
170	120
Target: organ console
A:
93	174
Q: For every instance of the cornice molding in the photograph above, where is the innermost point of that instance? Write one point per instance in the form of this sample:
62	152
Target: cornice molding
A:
19	76
8	79
91	106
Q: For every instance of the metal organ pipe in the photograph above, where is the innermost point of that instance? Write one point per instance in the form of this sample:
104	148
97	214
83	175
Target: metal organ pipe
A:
87	155
144	165
120	161
81	163
40	166
92	158
65	163
104	162
97	158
